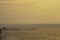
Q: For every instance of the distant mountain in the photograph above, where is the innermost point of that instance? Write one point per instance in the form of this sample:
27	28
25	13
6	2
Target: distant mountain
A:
18	26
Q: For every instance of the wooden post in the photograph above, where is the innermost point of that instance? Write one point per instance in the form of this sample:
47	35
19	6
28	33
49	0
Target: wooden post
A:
0	33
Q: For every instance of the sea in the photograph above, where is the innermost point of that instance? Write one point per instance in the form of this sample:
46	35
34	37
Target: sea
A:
30	32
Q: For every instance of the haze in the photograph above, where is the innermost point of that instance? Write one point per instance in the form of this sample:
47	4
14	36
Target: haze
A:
29	11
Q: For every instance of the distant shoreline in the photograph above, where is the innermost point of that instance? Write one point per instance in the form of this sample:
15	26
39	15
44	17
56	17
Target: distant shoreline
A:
18	26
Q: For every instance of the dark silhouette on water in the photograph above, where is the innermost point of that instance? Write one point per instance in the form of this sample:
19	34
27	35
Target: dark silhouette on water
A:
0	33
0	30
4	28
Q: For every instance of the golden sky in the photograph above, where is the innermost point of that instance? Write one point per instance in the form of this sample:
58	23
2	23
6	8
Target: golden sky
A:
29	11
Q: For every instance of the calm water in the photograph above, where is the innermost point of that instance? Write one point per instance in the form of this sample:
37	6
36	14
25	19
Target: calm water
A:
39	34
36	32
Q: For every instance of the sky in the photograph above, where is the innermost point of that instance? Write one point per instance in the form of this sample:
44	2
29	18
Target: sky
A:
29	11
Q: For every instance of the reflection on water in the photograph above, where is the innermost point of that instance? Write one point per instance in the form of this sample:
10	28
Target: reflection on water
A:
30	34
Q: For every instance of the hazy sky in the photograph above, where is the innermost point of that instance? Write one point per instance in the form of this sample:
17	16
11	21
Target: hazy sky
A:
29	11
